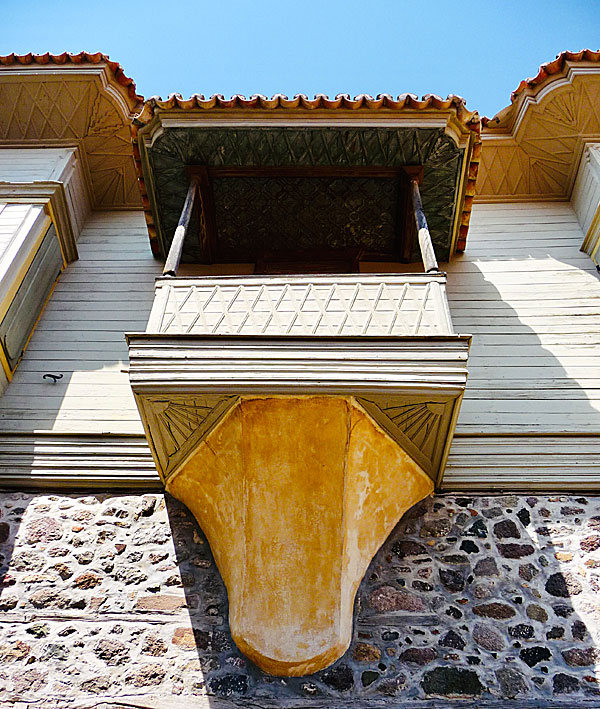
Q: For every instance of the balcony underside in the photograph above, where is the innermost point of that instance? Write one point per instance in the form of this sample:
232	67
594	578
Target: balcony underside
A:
184	384
298	418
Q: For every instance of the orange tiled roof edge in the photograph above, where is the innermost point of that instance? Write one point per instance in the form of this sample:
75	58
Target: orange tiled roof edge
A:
406	102
548	70
81	58
301	101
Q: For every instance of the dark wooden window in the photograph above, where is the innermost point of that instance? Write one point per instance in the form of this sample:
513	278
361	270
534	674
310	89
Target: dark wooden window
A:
296	219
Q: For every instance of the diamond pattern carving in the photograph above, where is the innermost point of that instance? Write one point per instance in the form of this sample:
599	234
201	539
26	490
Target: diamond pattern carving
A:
177	147
260	214
301	307
59	109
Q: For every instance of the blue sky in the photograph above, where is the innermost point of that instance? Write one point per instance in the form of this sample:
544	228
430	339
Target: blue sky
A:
479	50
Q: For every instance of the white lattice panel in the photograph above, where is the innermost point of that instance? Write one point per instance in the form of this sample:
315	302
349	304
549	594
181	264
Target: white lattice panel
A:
350	305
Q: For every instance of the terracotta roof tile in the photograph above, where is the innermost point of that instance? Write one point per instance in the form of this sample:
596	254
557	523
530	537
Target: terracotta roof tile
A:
548	70
81	58
301	101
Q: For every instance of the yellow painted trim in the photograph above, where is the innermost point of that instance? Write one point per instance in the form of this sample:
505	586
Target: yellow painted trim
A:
50	210
459	198
5	365
16	283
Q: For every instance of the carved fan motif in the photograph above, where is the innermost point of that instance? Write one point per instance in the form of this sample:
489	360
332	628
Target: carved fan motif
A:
418	422
73	110
180	419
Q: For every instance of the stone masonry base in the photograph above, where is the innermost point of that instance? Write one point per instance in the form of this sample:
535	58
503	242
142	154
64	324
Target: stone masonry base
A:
115	600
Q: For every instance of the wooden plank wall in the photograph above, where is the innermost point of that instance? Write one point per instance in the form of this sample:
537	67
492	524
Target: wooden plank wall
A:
531	300
107	292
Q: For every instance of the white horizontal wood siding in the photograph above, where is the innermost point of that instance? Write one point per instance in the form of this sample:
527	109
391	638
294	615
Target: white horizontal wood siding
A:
107	292
531	300
531	412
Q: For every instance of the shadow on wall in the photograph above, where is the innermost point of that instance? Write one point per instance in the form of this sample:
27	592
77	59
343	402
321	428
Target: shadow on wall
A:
471	597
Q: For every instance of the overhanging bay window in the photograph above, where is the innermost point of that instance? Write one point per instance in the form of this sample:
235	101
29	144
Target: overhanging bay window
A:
36	243
299	379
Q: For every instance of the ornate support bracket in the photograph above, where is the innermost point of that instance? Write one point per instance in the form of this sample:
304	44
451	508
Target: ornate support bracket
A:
297	456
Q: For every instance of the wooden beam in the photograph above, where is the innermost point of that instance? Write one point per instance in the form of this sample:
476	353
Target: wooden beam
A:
405	221
174	257
208	223
274	171
427	253
414	172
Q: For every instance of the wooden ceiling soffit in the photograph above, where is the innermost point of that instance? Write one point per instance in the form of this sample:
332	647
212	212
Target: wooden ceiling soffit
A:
531	150
67	100
441	135
449	169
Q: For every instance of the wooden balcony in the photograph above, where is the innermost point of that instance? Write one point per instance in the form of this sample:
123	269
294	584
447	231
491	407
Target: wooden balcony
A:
387	340
298	417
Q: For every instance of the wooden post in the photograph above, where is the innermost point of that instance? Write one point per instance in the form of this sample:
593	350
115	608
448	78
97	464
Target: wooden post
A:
172	263
427	253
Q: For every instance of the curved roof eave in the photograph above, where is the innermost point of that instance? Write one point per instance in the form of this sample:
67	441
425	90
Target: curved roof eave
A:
80	59
428	104
550	71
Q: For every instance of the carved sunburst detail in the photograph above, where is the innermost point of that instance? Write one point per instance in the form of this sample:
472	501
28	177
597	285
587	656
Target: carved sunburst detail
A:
419	422
179	420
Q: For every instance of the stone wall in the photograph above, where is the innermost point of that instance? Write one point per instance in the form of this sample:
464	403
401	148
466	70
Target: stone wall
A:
109	598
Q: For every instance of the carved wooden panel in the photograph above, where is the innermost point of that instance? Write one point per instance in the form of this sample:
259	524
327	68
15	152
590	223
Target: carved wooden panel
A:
365	305
177	423
421	426
61	109
418	421
539	159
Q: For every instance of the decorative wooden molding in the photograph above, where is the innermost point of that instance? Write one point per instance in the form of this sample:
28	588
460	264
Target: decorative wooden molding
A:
74	105
362	366
523	463
420	426
531	151
53	195
44	460
176	424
